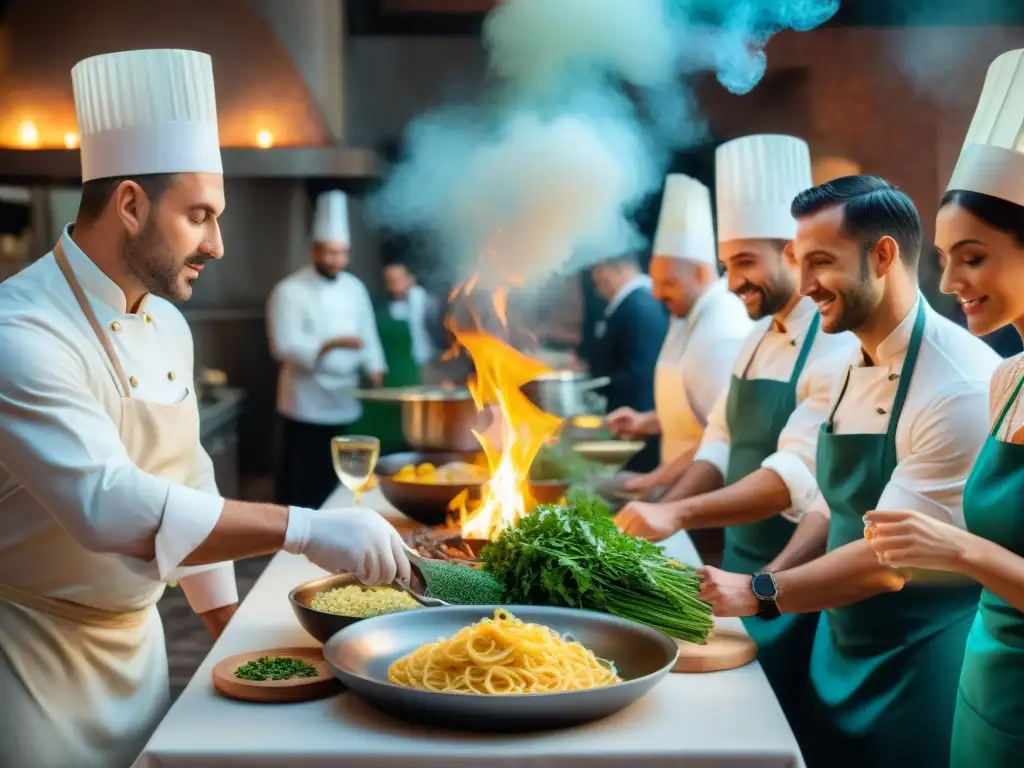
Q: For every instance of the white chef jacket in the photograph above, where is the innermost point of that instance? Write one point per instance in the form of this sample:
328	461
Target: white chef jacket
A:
771	351
62	463
413	310
305	311
944	420
713	334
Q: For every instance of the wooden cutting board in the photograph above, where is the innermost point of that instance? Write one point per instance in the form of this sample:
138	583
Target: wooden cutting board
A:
276	691
725	649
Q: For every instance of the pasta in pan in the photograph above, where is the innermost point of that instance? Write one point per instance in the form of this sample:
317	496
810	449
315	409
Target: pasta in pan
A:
502	655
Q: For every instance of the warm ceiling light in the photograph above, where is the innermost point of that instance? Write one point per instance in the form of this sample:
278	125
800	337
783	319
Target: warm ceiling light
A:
71	140
265	139
28	134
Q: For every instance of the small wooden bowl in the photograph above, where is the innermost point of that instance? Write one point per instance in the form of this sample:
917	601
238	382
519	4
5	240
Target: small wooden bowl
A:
276	691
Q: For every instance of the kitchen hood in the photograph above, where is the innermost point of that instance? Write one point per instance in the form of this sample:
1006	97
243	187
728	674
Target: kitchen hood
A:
279	67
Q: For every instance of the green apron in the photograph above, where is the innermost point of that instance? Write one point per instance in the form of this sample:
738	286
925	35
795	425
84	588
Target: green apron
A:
884	671
988	726
384	420
756	412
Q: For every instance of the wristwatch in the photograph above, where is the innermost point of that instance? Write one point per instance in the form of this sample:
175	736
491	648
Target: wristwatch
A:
766	590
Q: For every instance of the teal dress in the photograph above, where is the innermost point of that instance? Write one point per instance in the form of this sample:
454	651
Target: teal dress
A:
756	413
988	725
884	671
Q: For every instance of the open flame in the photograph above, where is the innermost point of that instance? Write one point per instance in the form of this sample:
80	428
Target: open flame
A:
500	372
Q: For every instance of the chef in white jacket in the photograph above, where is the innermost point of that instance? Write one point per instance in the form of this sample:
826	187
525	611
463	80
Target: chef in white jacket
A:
323	332
105	492
707	330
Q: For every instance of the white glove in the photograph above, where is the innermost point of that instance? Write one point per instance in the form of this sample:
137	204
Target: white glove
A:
356	540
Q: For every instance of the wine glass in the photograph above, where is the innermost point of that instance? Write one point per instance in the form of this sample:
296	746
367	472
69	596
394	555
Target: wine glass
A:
354	458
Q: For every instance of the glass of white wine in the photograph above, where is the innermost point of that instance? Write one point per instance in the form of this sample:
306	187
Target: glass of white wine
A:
354	458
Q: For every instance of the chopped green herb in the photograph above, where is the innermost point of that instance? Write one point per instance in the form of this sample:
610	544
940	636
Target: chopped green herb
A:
275	668
460	584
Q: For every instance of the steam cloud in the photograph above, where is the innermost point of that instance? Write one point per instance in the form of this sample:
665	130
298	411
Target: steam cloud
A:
947	61
545	178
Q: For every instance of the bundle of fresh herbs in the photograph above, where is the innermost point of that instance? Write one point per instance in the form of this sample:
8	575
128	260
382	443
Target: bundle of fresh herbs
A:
576	557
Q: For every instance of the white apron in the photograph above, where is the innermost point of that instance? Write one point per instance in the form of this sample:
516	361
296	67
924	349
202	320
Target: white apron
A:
681	430
84	686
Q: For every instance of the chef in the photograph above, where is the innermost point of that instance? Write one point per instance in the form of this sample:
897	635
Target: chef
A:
323	332
105	492
706	332
980	235
904	423
761	437
402	326
629	337
409	303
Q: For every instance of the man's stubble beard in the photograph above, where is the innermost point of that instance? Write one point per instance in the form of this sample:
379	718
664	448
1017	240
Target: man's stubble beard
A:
154	264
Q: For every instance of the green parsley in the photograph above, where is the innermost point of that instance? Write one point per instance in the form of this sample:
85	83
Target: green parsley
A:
275	668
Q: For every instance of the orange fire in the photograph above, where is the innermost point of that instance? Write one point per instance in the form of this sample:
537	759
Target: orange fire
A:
500	372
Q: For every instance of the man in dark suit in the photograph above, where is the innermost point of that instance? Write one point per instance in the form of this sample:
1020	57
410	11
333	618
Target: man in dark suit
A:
628	342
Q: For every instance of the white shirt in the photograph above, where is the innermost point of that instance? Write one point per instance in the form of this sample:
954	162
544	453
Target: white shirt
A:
62	462
715	329
771	350
413	309
635	283
306	311
944	420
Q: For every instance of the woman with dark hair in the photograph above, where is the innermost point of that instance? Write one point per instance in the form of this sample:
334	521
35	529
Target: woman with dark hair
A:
980	236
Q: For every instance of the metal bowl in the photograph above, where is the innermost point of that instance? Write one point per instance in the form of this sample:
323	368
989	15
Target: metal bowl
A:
563	393
361	653
433	417
613	454
425	503
441	420
322	626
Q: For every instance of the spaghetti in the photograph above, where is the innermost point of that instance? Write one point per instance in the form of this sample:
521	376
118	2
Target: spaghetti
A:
502	655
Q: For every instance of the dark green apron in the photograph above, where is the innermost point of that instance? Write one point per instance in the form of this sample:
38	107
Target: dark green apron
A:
884	671
756	412
988	726
384	420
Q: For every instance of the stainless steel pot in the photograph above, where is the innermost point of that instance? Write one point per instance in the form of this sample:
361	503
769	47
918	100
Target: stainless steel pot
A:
563	393
433	418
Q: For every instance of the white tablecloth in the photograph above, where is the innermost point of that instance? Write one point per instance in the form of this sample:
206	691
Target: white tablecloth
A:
701	720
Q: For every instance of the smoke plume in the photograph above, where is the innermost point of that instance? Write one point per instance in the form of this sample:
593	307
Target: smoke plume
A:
589	99
944	57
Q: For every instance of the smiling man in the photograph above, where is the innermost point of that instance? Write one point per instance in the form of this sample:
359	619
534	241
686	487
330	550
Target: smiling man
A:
754	469
904	425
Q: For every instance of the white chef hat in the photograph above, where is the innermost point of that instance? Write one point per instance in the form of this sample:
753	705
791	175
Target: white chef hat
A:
685	228
992	158
330	222
142	112
756	179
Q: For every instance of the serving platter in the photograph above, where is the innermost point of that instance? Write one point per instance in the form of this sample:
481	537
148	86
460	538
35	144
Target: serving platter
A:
361	653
